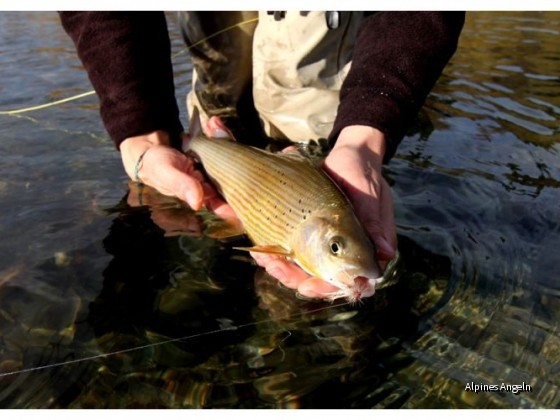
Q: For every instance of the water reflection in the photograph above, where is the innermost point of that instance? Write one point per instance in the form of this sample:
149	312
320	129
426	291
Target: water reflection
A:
247	342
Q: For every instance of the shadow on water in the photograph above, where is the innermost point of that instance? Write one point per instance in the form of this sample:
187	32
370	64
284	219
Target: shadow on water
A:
247	341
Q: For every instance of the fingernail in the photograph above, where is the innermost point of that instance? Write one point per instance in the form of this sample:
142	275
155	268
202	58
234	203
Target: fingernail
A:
193	200
219	133
306	291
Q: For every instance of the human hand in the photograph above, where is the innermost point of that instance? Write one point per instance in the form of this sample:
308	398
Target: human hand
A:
355	165
171	173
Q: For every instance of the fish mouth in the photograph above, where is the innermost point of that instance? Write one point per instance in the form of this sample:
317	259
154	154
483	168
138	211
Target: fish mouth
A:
364	286
361	287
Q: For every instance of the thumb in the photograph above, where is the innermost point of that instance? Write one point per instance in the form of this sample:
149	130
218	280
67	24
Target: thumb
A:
385	251
380	225
185	187
214	127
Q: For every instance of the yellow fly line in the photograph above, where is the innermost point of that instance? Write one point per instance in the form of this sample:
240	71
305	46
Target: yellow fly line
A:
36	107
91	92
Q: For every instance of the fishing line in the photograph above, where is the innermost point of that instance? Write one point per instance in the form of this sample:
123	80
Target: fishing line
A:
36	107
221	31
50	126
171	340
91	92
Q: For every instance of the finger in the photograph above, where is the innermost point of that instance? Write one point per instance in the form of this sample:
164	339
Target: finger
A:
314	287
288	273
378	220
224	211
183	186
264	259
293	277
290	149
379	223
387	242
214	203
192	191
214	127
169	172
373	204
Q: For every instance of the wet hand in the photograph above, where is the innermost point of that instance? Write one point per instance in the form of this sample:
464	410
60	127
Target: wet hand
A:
151	160
293	277
355	165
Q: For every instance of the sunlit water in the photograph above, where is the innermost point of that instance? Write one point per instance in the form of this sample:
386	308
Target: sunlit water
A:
185	321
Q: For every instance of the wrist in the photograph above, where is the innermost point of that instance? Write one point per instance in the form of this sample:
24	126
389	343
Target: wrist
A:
363	138
133	148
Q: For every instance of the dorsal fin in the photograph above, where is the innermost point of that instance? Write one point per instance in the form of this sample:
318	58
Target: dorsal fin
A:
195	129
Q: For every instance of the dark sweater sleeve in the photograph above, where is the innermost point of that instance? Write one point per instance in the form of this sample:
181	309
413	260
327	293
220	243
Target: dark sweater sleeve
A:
397	59
127	56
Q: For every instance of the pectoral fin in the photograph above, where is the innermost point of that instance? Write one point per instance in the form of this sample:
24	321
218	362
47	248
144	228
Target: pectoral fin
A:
267	249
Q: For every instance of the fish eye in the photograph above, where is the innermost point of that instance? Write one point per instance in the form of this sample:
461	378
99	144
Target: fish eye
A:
336	246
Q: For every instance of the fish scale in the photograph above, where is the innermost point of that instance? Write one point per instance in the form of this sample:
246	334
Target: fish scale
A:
272	193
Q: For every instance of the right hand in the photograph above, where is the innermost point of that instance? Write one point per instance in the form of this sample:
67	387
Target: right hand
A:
355	165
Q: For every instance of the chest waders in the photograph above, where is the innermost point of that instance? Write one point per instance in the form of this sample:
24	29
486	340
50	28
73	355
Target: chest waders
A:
270	73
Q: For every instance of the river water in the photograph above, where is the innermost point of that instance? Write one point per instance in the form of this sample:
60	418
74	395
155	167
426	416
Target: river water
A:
101	307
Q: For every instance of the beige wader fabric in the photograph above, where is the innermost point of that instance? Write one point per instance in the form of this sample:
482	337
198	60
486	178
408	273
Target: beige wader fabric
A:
293	65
